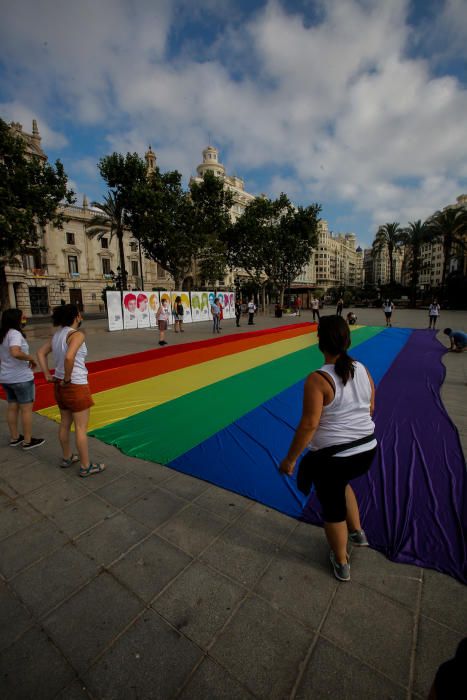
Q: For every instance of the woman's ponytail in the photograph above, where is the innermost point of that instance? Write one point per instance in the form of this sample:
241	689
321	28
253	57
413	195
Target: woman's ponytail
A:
334	338
344	367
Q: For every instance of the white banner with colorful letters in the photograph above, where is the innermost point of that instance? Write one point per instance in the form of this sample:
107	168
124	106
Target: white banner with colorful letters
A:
137	309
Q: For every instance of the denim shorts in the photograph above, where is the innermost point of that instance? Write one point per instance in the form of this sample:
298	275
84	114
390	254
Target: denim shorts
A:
20	392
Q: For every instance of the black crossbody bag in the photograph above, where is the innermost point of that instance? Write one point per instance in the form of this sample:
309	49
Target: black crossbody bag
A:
312	458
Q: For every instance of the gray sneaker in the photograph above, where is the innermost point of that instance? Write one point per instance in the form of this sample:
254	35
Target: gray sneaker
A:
358	538
341	571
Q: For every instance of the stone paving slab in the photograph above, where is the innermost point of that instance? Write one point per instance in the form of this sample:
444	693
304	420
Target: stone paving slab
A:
263	649
90	620
33	668
151	661
143	582
147	568
212	681
332	673
199	602
384	641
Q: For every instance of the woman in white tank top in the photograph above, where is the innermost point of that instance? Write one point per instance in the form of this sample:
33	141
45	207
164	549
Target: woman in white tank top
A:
71	385
338	430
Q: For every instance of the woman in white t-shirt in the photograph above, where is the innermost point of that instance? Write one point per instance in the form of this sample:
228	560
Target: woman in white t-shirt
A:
162	316
388	308
72	392
338	430
433	314
17	379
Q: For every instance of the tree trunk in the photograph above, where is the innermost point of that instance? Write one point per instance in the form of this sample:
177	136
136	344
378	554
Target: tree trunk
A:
4	297
281	296
121	253
391	264
446	251
263	297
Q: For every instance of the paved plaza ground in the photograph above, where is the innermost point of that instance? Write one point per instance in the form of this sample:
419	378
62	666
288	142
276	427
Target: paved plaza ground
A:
145	583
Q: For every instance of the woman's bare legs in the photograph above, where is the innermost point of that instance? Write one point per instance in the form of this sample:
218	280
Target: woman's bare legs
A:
353	514
337	536
66	419
12	413
26	419
81	421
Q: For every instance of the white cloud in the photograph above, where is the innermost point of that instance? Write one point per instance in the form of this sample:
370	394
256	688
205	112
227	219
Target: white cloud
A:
339	105
17	112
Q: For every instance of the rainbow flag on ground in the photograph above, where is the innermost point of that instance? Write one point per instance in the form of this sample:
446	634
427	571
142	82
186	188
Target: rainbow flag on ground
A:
225	410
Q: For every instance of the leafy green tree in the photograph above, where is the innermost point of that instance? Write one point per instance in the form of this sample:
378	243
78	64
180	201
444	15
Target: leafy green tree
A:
176	227
31	192
389	237
449	227
211	222
272	241
124	175
110	220
413	237
295	238
160	217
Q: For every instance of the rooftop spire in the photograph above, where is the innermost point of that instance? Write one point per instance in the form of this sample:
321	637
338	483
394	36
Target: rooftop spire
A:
35	130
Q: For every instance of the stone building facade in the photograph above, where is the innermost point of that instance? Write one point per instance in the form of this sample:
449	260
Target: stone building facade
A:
71	266
376	266
432	256
68	265
338	260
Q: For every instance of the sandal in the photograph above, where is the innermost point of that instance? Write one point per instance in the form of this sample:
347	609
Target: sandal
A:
92	469
68	462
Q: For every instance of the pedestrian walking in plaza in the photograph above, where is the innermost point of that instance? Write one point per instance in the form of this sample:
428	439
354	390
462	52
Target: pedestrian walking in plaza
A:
71	386
238	313
433	314
388	308
178	315
337	429
216	312
315	308
340	306
162	317
297	305
251	312
17	379
458	340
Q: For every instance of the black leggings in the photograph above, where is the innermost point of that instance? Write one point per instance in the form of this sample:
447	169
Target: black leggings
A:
330	477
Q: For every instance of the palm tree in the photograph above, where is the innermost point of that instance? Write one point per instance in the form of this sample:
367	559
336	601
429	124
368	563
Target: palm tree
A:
449	227
413	237
110	221
389	238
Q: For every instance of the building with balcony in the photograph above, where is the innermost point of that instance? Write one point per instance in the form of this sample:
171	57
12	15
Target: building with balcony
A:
68	265
338	260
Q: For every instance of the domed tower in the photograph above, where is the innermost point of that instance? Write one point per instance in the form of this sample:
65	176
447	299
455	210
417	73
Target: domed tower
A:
150	158
210	163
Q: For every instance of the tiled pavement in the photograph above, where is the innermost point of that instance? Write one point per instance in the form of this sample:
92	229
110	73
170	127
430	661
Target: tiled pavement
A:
145	583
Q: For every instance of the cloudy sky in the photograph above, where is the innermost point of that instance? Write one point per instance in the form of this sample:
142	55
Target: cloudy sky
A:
360	105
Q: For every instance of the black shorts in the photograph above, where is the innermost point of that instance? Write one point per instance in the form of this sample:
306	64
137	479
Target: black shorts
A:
388	314
331	476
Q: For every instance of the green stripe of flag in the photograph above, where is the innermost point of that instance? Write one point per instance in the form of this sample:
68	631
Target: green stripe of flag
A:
163	433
